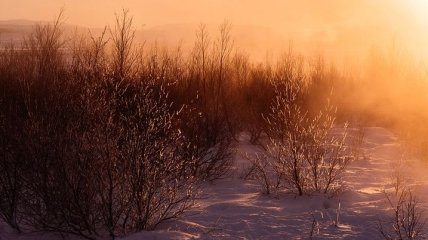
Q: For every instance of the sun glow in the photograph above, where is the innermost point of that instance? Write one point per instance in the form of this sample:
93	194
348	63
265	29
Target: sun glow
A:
419	8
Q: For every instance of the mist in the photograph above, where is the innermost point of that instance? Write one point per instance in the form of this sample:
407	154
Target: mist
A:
336	28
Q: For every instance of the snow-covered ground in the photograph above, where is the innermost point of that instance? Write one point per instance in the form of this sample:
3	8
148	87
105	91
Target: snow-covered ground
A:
233	208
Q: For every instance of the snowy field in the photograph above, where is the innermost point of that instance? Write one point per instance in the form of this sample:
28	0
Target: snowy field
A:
233	208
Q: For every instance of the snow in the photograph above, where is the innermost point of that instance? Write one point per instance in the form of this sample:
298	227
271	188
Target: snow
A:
233	208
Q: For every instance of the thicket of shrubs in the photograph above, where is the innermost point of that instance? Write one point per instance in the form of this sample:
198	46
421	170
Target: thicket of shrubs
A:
92	142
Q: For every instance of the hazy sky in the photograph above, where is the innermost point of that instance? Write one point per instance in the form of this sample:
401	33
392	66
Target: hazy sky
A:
272	13
338	24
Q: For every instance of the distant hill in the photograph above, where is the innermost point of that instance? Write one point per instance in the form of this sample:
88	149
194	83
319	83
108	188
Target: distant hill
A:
247	38
14	30
334	41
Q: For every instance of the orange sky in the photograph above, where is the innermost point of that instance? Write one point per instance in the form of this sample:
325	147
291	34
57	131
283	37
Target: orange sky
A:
275	13
343	21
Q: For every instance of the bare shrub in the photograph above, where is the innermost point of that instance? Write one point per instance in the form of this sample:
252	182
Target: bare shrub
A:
58	178
398	174
208	123
263	172
212	159
406	220
141	140
123	54
257	94
355	141
305	149
11	150
10	174
315	227
139	137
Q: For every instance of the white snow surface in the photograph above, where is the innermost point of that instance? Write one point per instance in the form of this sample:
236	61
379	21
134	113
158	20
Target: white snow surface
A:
233	208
